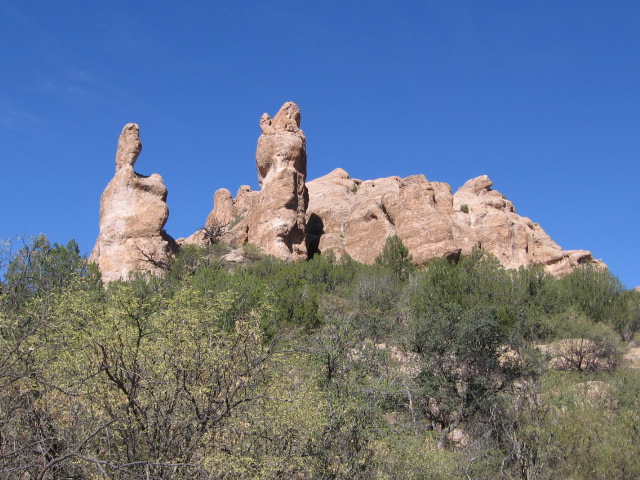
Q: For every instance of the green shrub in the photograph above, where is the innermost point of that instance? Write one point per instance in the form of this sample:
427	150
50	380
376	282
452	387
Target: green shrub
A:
578	427
237	219
582	344
395	256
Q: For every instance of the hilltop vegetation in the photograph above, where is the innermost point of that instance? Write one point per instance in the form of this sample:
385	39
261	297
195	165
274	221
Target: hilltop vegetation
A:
324	369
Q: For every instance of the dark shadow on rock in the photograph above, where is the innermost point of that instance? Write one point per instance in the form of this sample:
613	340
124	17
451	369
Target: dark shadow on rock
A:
315	230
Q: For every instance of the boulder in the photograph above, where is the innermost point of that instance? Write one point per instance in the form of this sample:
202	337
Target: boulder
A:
133	212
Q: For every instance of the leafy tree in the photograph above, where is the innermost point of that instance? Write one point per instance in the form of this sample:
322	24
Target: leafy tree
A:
395	256
321	369
133	385
465	363
478	279
597	293
355	389
378	306
629	323
39	269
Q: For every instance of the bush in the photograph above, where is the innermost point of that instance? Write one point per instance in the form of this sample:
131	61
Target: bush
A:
577	429
462	367
596	293
396	257
583	345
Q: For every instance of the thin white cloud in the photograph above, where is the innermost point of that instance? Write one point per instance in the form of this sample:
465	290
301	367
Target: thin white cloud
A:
15	119
81	76
65	86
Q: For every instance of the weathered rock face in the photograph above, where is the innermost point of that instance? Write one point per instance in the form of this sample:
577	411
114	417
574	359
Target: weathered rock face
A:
423	215
274	217
133	213
293	220
513	239
356	217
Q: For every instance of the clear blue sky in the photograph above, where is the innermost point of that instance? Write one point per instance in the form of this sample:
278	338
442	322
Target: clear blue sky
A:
542	96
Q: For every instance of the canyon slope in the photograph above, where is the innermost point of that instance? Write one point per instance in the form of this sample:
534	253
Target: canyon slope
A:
294	219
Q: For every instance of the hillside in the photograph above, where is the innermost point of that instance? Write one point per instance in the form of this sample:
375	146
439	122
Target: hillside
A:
328	329
236	365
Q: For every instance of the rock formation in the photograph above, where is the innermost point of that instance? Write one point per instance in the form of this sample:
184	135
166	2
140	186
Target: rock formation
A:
133	213
513	239
274	217
294	220
356	217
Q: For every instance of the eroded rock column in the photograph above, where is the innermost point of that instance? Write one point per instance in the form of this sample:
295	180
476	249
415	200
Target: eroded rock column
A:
277	220
133	212
273	218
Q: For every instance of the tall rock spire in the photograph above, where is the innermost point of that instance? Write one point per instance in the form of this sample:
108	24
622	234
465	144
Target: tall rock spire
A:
277	222
274	217
133	212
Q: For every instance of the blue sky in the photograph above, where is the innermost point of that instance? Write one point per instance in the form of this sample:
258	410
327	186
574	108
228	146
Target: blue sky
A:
541	96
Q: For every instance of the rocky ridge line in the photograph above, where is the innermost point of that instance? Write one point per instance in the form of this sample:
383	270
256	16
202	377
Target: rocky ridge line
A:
355	217
292	219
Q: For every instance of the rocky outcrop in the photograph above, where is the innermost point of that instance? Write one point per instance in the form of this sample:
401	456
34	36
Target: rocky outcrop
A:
133	212
356	217
424	218
293	219
513	239
274	217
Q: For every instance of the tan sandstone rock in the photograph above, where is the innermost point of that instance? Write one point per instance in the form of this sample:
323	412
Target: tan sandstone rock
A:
423	215
273	218
133	212
347	216
356	217
513	239
291	219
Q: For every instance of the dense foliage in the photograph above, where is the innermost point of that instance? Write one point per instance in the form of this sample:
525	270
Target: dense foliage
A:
326	369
